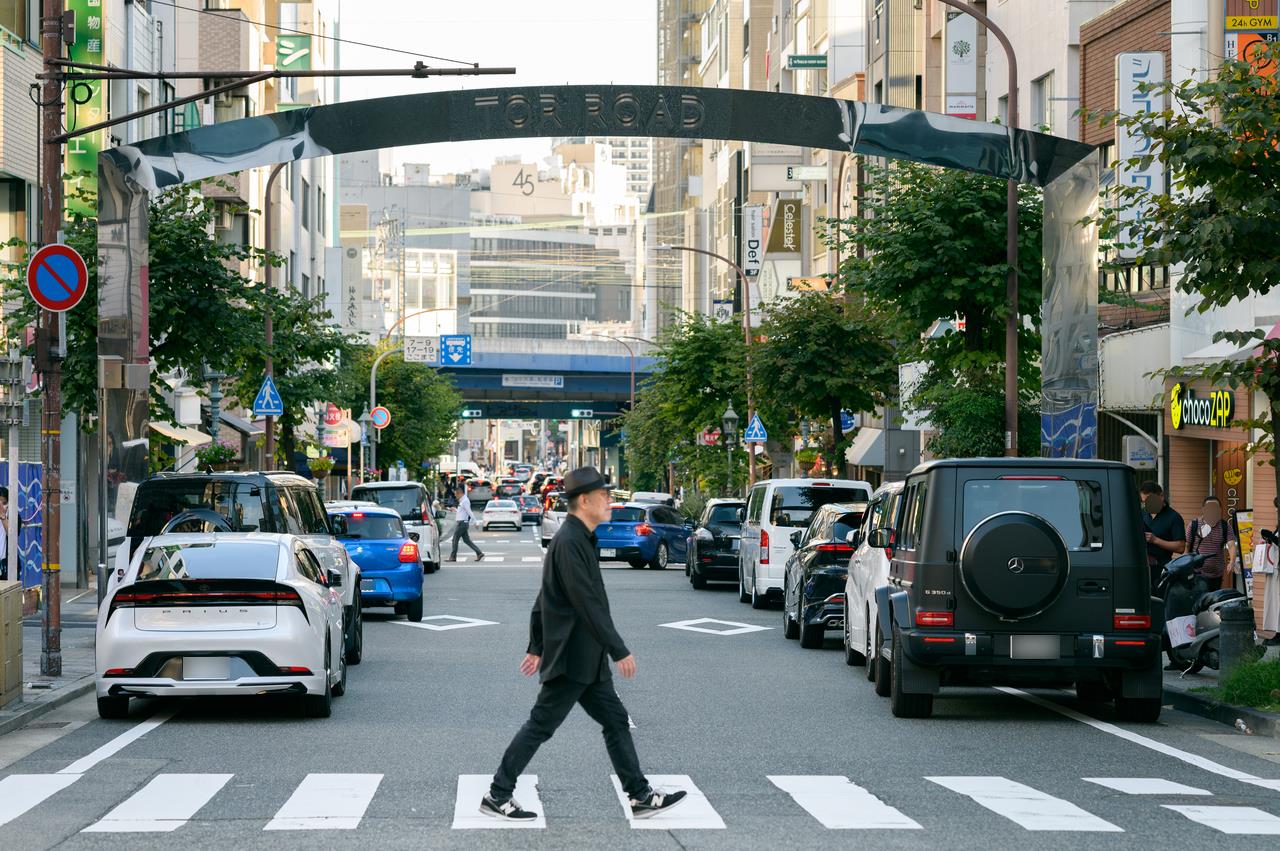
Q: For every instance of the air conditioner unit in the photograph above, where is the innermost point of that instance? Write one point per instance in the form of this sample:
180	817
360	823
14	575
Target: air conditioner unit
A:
226	219
222	99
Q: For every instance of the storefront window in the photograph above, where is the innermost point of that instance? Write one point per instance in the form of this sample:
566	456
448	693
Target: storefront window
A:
13	215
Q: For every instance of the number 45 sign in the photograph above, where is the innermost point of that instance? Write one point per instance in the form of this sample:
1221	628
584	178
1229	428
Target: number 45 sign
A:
422	349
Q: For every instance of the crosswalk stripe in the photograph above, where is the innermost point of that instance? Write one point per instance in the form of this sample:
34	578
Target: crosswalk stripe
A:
164	804
1238	820
327	802
21	792
1030	808
1146	786
841	804
527	559
693	813
473	787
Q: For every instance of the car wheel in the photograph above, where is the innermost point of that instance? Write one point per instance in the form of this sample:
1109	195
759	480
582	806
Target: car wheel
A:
790	629
758	600
340	687
852	657
546	542
743	596
413	611
114	707
1093	692
811	635
881	666
660	558
696	578
429	567
905	704
320	705
1144	710
354	650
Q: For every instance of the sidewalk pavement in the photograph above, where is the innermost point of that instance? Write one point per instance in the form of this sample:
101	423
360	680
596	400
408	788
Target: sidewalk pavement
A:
1180	692
41	694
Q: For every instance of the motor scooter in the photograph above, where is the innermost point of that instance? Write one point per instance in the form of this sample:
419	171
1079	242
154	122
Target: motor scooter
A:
1198	646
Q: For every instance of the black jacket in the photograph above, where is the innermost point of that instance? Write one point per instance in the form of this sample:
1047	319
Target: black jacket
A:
570	627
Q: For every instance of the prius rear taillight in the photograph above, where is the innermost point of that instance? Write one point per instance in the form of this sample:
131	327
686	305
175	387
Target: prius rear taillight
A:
408	552
834	548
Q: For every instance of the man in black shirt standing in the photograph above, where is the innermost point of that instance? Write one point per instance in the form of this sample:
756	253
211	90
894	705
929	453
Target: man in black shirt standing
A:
571	640
1166	534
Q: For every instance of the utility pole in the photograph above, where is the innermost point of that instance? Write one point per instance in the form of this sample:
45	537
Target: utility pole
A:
47	360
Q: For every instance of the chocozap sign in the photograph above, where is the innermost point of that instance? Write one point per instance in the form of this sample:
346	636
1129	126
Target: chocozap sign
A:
1212	411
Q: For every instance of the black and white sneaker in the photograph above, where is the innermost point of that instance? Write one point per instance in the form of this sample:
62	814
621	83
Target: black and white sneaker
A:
655	802
508	809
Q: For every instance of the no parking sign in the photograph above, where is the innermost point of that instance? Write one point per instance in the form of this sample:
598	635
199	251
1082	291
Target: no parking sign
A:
57	277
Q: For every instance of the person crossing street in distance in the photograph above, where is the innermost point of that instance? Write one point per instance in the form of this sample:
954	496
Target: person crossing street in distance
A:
461	529
571	640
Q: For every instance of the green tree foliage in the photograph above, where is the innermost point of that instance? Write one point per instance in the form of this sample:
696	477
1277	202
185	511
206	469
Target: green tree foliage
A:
1217	141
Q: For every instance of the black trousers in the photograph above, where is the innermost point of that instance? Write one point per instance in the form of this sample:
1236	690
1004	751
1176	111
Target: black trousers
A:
460	533
555	700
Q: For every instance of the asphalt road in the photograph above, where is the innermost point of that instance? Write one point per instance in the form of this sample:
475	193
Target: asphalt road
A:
787	748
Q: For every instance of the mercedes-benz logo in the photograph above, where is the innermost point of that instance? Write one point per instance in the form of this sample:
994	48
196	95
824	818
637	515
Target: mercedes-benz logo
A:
1016	565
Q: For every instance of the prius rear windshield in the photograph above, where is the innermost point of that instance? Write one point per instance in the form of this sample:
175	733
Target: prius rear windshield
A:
221	560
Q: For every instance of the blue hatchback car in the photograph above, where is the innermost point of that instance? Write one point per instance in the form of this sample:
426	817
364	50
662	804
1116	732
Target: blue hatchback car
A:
390	566
644	534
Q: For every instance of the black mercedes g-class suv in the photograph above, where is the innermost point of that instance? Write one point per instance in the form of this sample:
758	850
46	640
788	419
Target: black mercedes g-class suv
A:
1020	571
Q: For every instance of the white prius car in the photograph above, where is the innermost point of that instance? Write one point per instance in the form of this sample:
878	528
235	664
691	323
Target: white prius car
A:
206	614
501	512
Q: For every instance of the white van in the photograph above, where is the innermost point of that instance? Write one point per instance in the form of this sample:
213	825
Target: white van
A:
775	509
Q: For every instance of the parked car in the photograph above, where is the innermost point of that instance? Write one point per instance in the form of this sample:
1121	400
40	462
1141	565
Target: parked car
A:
278	501
557	508
644	534
713	546
501	512
1020	571
204	614
814	578
775	509
551	484
869	570
653	496
412	500
522	472
530	508
388	557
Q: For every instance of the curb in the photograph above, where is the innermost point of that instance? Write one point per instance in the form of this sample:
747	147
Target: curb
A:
64	695
1262	723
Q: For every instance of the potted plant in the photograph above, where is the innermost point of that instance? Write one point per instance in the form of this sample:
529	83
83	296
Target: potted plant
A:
320	467
216	456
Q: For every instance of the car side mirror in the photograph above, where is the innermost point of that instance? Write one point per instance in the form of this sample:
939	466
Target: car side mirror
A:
335	578
854	537
742	515
796	536
880	539
415	536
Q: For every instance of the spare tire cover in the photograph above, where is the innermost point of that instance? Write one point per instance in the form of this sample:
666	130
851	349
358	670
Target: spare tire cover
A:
1014	564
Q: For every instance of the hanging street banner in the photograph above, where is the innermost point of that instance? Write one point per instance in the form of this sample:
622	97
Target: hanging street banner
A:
961	68
86	104
752	239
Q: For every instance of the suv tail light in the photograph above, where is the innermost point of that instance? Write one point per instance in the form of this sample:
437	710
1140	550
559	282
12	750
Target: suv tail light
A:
764	547
924	618
426	515
1132	621
644	529
408	552
835	600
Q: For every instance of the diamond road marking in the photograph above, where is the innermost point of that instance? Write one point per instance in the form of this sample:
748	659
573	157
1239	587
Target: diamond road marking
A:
459	623
733	627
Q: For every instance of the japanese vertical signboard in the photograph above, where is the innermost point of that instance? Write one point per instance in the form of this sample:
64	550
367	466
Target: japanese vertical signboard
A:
1135	71
962	65
87	104
293	52
783	255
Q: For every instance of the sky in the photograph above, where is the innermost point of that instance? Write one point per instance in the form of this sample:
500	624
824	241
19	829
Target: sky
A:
549	42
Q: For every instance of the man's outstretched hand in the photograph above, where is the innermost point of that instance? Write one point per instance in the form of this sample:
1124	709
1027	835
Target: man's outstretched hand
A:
529	666
627	667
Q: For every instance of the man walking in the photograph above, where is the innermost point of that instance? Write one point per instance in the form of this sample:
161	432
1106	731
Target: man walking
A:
1164	530
460	530
571	639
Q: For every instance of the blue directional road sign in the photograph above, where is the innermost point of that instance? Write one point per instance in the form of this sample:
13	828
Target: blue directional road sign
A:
268	402
755	432
847	421
455	349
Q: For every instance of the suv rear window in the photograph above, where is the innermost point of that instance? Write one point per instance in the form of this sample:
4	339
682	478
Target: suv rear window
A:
560	504
794	505
223	560
159	502
407	501
1074	508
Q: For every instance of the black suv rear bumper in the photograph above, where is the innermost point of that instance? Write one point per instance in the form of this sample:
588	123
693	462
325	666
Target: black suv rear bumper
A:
952	649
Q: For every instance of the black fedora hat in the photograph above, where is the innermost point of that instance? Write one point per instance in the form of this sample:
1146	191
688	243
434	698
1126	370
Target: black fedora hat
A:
582	480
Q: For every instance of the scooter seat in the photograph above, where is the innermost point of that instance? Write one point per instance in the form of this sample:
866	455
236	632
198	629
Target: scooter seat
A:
1211	598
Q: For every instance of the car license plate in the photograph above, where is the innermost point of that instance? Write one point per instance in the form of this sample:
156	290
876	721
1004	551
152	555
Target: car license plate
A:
1034	647
608	552
206	668
733	545
366	584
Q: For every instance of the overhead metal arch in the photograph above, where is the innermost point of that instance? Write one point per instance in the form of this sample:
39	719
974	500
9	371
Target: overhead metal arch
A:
1067	170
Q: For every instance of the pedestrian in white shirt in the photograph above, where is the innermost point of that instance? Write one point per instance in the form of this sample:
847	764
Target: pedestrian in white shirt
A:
465	518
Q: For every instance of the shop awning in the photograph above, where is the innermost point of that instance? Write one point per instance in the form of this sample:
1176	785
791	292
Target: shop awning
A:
181	434
242	425
867	449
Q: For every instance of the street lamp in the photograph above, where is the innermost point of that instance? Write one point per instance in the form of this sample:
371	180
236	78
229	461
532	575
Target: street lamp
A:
366	422
729	426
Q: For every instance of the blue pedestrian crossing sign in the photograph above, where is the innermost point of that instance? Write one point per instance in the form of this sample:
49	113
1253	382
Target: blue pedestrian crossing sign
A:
755	432
268	402
455	349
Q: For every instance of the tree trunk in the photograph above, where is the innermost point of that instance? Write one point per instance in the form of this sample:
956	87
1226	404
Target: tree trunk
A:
837	437
288	440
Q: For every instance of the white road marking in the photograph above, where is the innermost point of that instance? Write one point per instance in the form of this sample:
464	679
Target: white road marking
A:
459	623
164	804
1146	786
21	792
473	787
693	813
734	628
327	802
528	559
118	744
840	804
1030	808
1146	742
1239	820
488	559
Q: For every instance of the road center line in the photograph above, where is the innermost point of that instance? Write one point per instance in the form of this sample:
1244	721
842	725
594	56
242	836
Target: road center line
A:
119	743
1146	742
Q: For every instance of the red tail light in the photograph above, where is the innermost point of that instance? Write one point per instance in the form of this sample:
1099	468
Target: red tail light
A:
273	595
764	547
426	515
1132	621
935	618
118	672
295	669
644	529
357	515
408	552
888	551
834	548
835	600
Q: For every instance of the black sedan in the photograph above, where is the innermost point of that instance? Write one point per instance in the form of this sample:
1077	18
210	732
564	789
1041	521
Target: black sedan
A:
713	546
814	580
530	508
